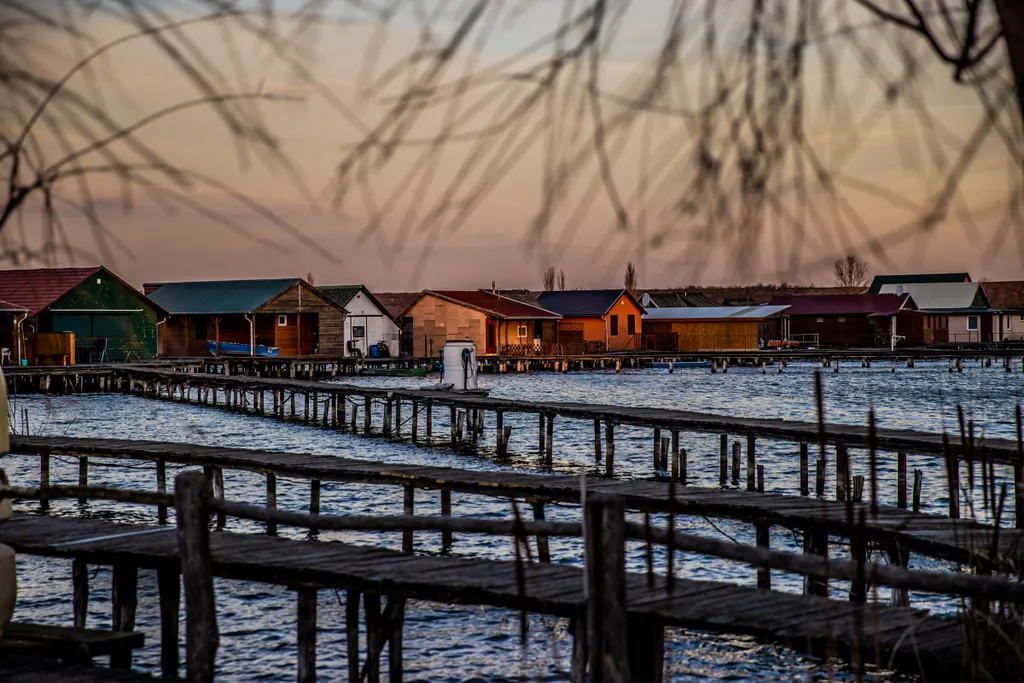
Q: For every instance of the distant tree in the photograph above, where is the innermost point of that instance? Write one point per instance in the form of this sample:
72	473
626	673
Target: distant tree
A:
310	279
629	280
561	280
850	271
549	279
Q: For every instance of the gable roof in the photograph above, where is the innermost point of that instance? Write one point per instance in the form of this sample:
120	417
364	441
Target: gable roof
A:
217	296
397	303
35	289
583	302
496	306
846	304
713	313
880	281
943	296
521	295
675	299
1005	296
342	294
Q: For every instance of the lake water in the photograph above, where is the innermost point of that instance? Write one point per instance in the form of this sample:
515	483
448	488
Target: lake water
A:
452	643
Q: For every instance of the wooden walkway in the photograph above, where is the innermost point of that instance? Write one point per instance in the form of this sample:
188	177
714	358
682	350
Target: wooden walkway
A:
958	540
912	638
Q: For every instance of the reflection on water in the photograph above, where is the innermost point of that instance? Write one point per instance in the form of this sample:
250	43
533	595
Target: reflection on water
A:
459	643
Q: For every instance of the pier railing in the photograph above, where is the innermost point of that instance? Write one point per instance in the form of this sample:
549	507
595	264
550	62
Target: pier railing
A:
604	613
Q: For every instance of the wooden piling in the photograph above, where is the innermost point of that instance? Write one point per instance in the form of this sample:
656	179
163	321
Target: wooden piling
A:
723	460
314	497
543	549
760	478
408	507
918	483
271	501
446	511
454	427
550	446
367	414
804	469
83	477
751	462
306	634
396	610
161	487
371	609
597	441
736	462
763	534
609	448
168	581
899	556
44	476
124	601
657	449
819	478
352	633
430	420
605	561
678	459
499	432
218	493
815	543
901	480
842	472
80	584
415	421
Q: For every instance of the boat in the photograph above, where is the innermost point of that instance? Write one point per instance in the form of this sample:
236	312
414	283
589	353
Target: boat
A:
233	349
682	364
394	372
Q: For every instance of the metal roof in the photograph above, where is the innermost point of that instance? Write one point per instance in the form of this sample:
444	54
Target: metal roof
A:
845	304
342	294
714	313
581	302
880	281
942	296
219	296
496	306
8	307
35	289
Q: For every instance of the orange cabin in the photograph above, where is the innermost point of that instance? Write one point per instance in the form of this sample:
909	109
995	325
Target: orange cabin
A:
596	319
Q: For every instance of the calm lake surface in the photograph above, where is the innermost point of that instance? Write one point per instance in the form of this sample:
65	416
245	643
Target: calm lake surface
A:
446	643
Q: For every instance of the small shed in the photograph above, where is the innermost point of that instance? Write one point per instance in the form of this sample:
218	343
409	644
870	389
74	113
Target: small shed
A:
497	324
367	322
954	312
67	315
286	313
852	320
596	320
711	328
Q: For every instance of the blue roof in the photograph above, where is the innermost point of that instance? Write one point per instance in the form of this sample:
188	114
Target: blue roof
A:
219	296
582	302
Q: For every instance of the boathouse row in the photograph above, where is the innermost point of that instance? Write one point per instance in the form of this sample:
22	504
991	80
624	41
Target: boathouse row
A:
610	319
287	313
56	316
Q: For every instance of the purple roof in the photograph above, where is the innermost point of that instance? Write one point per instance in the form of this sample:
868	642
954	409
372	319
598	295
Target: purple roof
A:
845	304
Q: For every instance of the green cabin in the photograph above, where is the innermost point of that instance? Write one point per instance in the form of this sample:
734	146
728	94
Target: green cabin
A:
110	319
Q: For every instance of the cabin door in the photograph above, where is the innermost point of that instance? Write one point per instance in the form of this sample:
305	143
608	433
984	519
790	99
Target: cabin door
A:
492	337
309	333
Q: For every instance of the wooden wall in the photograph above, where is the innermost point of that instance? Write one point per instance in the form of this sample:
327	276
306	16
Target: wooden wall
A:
623	341
328	325
435	320
709	335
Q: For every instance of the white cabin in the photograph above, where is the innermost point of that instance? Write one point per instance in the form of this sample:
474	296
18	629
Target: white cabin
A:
367	323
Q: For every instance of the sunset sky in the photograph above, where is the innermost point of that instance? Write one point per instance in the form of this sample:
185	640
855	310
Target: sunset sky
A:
879	156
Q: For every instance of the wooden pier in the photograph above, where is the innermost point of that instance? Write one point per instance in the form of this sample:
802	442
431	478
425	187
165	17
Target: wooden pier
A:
900	531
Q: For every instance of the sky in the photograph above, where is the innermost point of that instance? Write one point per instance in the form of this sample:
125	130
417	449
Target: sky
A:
398	227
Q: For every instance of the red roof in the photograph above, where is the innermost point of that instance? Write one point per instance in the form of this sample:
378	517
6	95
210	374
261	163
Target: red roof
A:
845	304
496	306
8	307
38	288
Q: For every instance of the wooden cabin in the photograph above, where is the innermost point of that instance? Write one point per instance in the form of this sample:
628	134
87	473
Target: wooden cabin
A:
69	315
711	328
287	313
852	320
596	320
367	323
498	325
1007	301
954	312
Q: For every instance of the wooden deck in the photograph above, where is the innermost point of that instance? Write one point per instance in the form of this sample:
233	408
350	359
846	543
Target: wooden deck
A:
958	540
913	639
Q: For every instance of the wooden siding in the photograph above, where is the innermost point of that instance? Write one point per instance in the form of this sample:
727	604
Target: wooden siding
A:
623	341
436	320
327	326
709	335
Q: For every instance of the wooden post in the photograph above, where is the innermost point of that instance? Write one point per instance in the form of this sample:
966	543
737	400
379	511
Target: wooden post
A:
446	511
751	463
760	478
352	633
678	459
815	543
191	502
764	574
415	420
371	606
605	561
804	470
408	510
454	418
736	462
499	431
657	448
646	648
387	416
367	414
597	441
397	426
543	550
44	476
819	478
899	556
953	482
83	478
396	607
549	453
272	501
124	601
918	482
168	582
540	436
430	420
161	487
842	472
314	497
80	581
723	460
609	448
901	480
306	635
218	493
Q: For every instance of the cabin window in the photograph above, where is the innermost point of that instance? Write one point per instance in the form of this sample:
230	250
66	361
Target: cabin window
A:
524	331
282	321
630	324
820	320
1009	324
614	321
972	323
358	331
842	320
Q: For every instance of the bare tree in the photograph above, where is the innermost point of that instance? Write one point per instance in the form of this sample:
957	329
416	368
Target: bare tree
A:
561	280
310	279
850	271
549	279
629	280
